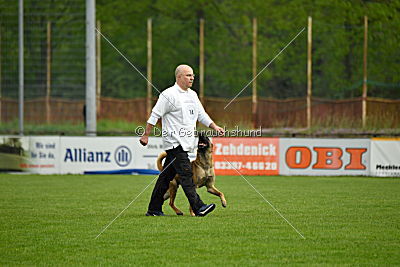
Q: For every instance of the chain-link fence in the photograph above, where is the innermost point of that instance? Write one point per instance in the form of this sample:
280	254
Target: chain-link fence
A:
54	62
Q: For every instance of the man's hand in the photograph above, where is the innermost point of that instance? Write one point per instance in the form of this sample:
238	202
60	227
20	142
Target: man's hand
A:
219	130
144	140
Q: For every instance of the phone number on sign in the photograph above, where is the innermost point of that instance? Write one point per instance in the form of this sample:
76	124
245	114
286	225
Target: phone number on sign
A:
224	165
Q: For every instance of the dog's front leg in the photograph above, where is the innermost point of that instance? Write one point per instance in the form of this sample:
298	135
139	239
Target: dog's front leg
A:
191	211
213	190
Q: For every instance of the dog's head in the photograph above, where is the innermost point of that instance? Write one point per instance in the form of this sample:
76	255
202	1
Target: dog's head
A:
204	143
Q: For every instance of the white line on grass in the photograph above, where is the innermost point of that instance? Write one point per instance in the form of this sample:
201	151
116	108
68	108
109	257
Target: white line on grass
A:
130	63
134	199
266	200
264	68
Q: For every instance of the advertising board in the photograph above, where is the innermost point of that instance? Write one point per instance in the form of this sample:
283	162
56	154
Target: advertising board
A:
385	157
305	156
247	156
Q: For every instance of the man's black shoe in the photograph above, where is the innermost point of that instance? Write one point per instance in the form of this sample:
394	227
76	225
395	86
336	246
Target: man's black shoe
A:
155	213
205	209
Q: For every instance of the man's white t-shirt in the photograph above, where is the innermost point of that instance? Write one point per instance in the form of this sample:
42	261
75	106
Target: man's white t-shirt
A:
180	110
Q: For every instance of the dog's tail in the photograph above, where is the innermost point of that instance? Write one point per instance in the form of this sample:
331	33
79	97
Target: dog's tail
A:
159	160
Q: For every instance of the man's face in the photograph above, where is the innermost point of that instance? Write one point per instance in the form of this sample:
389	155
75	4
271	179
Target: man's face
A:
186	77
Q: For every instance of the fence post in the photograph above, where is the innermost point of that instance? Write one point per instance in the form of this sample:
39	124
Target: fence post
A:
98	68
0	79
201	80
21	66
149	66
309	71
91	123
364	92
48	74
254	84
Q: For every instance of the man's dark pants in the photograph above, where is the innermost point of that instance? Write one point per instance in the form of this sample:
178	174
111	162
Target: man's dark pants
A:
181	165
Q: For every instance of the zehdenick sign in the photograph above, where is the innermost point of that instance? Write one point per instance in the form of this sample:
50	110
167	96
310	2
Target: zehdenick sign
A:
246	156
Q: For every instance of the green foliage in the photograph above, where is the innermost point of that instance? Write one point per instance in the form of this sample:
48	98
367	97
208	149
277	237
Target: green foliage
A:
104	127
338	32
330	126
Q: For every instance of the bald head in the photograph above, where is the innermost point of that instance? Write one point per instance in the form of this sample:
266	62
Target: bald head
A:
184	76
181	68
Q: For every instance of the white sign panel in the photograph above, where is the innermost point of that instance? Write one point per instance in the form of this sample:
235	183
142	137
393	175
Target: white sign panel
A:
385	157
300	156
80	154
44	155
147	155
34	154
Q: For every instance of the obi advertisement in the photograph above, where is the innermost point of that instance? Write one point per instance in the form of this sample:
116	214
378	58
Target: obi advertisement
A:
303	156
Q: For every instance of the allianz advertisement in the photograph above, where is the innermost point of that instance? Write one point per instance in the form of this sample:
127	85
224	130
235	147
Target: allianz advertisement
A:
77	155
80	154
83	154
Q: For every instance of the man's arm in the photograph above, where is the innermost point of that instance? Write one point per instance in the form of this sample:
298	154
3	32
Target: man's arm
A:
144	140
161	107
219	130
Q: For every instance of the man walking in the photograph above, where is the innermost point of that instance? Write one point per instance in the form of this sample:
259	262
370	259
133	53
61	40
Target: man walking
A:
179	108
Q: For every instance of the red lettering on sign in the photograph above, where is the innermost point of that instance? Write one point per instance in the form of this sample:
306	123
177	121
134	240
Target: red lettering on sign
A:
304	154
328	158
355	159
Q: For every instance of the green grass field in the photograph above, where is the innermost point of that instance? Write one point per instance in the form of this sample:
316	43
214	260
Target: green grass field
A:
53	220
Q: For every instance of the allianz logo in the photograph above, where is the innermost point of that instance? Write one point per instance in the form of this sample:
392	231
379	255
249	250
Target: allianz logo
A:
122	156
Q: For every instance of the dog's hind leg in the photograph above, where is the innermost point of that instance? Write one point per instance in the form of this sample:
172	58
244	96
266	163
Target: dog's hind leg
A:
212	190
166	195
173	187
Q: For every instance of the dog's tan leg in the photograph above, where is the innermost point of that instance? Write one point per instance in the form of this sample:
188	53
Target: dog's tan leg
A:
215	191
191	211
166	195
173	187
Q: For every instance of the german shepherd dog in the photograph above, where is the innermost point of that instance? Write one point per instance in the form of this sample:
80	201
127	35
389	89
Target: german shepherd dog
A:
203	174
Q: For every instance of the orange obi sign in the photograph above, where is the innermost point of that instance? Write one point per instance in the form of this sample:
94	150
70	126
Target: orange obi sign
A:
249	156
